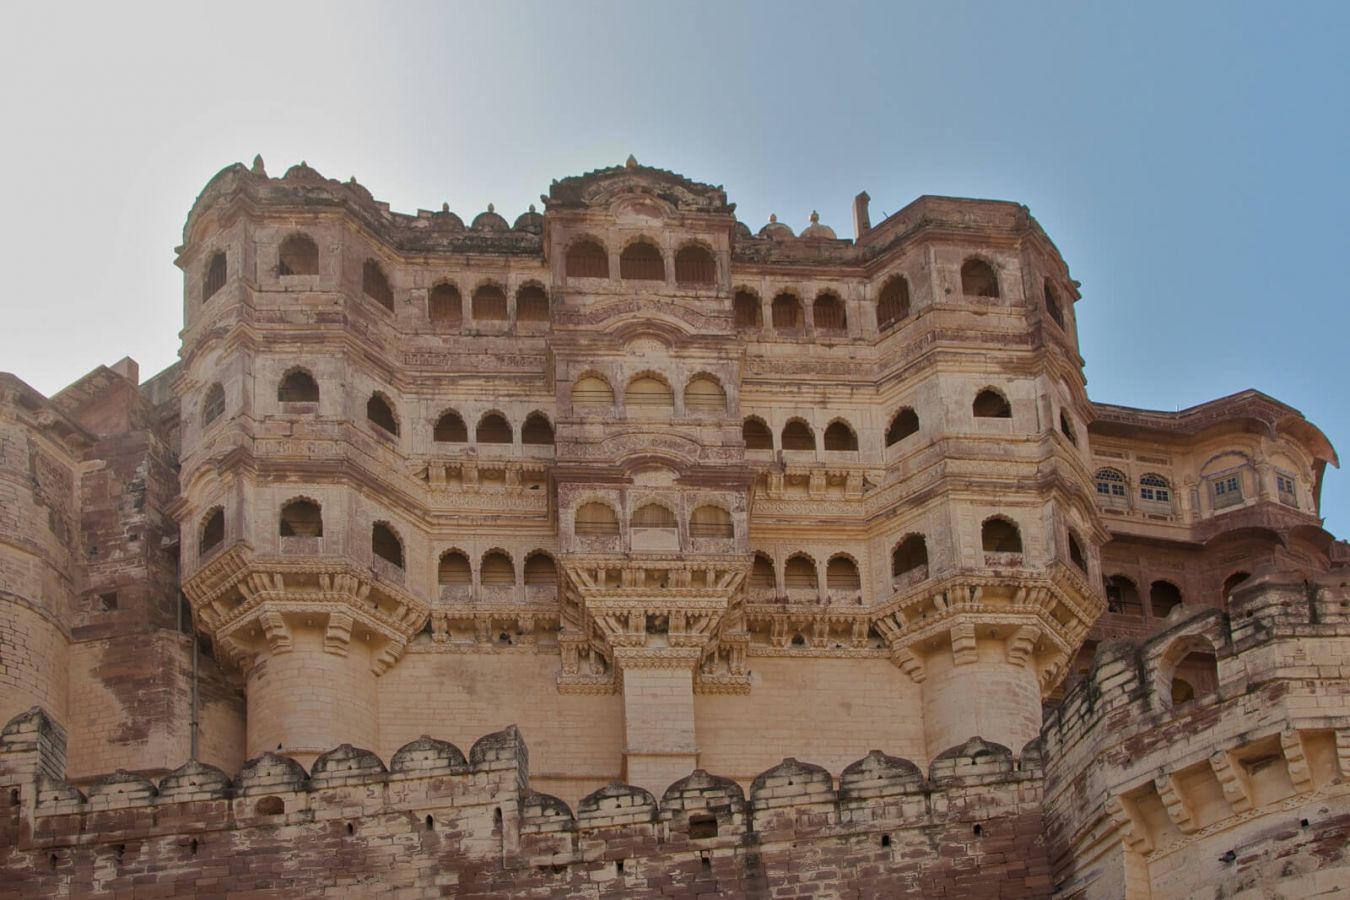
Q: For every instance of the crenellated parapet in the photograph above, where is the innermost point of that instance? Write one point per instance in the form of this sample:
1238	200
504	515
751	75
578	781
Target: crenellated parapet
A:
1202	742
433	805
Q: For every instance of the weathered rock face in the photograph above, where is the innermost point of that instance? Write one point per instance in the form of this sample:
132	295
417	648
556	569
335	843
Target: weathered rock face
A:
663	496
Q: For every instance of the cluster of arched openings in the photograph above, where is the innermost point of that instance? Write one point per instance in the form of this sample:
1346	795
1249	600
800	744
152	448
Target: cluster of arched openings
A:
496	569
797	434
598	519
492	428
650	394
641	260
1123	597
803	576
445	304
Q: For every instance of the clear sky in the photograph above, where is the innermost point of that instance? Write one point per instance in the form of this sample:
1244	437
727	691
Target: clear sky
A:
1191	160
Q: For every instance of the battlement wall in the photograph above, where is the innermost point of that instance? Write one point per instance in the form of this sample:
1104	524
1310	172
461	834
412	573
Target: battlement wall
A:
435	821
1227	728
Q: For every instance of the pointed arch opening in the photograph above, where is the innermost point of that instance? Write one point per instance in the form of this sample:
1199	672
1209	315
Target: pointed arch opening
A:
375	285
828	314
453	570
761	573
1122	597
1076	555
450	429
1000	535
978	279
787	314
745	307
839	435
445	306
596	519
756	434
797	435
532	304
592	393
841	574
1053	307
537	430
905	423
214	278
991	404
1231	583
298	255
300	518
1163	597
705	396
496	570
213	404
711	522
494	429
694	264
541	569
380	413
641	261
212	531
909	560
489	303
587	258
799	573
298	386
649	395
893	304
385	544
654	515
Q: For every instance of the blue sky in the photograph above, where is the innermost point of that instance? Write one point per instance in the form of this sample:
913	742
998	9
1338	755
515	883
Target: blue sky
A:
1189	159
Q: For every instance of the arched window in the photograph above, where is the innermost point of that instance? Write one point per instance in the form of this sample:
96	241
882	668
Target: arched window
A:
905	423
756	435
1163	597
596	520
298	256
839	436
489	304
1076	554
841	574
893	304
695	265
704	396
1066	428
746	308
800	573
531	304
647	393
540	569
1052	304
298	386
990	404
494	429
978	279
1111	486
998	535
1230	584
213	531
445	307
214	279
537	430
1122	597
301	518
1153	488
385	545
376	286
453	570
450	429
592	392
380	414
496	569
640	261
787	314
654	515
1189	669
910	555
213	405
761	573
797	435
587	259
828	314
711	522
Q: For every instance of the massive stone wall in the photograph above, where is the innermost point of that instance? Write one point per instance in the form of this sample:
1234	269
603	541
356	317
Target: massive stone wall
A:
435	823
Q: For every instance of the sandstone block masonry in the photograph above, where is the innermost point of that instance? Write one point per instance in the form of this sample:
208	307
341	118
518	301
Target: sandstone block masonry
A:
662	495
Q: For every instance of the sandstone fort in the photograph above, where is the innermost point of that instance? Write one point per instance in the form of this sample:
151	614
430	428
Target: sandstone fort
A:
624	550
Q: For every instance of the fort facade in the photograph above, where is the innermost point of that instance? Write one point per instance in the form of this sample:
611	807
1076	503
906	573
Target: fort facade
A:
675	504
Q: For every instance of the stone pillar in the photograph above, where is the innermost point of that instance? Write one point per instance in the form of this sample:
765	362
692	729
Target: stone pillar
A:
658	718
305	699
978	692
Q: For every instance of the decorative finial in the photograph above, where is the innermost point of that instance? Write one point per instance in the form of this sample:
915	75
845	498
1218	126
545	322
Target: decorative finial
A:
258	168
445	207
773	218
531	209
303	164
491	208
815	217
631	162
